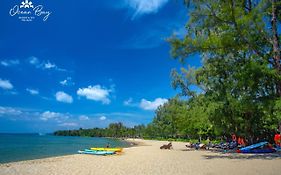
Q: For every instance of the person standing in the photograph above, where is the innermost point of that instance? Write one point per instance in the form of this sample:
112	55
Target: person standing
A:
277	139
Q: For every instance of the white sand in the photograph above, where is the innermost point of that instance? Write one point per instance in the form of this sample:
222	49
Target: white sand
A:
150	160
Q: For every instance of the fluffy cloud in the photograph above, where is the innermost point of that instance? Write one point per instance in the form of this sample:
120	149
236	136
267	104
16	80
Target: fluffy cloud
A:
49	65
152	105
83	117
5	84
103	118
96	93
67	82
9	111
8	63
142	7
48	115
32	91
63	97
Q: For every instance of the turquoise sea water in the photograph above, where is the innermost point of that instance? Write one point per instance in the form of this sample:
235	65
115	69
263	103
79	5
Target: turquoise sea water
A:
17	147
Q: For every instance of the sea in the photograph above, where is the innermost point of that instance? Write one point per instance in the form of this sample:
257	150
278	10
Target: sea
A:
18	147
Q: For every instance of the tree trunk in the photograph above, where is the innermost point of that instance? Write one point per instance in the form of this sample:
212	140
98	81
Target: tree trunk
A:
276	47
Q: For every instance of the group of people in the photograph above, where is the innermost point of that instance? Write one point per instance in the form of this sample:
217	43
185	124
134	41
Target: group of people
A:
239	142
233	143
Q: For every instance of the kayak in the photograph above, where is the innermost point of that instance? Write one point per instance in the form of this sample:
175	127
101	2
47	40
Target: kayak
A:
257	151
96	152
262	147
108	149
254	146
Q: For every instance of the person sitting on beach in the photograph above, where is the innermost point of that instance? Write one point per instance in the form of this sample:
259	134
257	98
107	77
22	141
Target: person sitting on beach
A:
197	145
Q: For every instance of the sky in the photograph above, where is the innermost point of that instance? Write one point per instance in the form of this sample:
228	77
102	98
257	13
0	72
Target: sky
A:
86	63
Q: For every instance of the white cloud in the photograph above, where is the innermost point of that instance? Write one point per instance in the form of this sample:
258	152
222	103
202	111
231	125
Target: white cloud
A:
83	117
130	102
72	124
9	111
8	63
49	65
48	115
142	7
103	118
96	93
33	60
156	34
63	97
5	84
152	105
33	115
32	91
44	65
63	82
67	82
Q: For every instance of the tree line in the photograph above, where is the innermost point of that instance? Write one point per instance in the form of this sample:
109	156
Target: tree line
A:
116	130
238	87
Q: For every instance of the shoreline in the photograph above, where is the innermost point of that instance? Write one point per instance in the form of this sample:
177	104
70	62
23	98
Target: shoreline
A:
145	157
121	142
130	141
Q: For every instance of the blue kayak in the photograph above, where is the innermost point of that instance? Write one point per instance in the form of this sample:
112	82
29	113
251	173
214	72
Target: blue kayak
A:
261	147
254	146
257	151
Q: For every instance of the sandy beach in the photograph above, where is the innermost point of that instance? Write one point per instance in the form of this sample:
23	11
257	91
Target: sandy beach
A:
147	158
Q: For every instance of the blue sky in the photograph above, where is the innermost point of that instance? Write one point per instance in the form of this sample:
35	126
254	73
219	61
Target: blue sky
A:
89	64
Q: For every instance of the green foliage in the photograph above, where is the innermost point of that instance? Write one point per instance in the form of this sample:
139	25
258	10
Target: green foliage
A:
239	77
117	130
181	119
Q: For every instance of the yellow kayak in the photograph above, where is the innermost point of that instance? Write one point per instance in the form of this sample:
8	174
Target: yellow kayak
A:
108	149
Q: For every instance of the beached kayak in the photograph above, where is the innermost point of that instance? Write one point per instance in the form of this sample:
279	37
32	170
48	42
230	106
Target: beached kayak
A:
254	146
262	147
108	149
96	152
257	151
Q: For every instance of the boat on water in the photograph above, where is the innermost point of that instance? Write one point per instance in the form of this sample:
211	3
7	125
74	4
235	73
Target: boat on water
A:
108	149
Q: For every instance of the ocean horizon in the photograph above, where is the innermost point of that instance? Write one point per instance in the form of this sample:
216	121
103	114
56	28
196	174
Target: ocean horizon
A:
28	146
